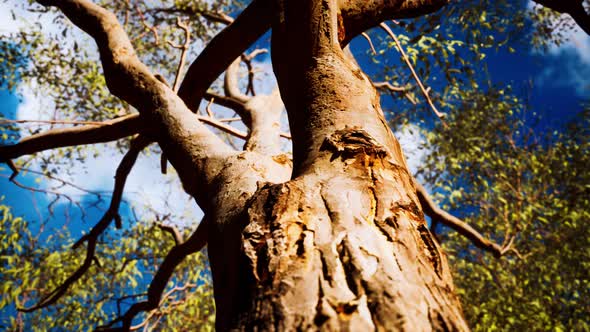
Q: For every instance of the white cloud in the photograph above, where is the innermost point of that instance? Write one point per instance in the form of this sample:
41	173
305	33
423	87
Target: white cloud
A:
147	190
412	143
23	18
567	64
577	44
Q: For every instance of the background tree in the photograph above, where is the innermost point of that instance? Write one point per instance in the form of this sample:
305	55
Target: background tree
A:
333	134
533	191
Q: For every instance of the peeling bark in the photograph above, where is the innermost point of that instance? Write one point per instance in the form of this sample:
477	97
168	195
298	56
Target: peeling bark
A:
343	245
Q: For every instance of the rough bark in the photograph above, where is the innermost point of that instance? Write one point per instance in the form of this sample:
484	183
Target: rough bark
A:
343	245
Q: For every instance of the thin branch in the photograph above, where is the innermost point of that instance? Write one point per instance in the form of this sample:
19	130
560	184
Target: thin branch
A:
407	60
230	82
390	87
217	17
225	101
184	47
178	240
366	36
223	49
62	181
247	59
93	123
149	28
159	313
92	238
439	215
57	194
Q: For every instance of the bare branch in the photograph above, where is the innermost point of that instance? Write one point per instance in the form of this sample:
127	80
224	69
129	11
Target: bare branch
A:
184	47
389	86
178	240
230	82
366	36
217	17
439	215
94	123
407	60
247	59
92	238
89	134
223	50
225	101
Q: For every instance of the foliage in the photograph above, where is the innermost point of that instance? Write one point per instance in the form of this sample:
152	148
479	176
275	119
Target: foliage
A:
34	262
505	179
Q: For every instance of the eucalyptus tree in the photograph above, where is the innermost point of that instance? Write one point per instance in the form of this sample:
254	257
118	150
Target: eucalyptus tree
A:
330	237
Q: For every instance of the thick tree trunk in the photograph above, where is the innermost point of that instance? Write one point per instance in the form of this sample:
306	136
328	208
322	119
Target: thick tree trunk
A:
343	245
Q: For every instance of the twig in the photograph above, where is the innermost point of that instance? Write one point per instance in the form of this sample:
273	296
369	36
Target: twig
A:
407	60
178	240
208	108
247	59
92	123
368	38
151	28
184	47
390	87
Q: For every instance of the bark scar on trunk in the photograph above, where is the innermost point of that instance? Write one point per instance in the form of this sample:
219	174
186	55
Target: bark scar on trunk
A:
349	142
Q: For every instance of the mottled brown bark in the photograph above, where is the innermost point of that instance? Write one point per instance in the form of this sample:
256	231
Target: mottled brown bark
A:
343	245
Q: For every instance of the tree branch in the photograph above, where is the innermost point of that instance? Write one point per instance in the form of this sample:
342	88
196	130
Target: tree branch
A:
92	238
230	82
176	255
107	131
407	60
178	240
361	15
229	44
217	17
439	215
186	141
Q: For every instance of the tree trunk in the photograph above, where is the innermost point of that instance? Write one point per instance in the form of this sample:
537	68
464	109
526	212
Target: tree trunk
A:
343	245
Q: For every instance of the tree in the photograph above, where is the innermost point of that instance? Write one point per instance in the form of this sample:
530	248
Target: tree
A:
535	190
336	239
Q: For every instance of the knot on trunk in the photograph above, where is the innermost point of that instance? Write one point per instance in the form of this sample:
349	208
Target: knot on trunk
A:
349	142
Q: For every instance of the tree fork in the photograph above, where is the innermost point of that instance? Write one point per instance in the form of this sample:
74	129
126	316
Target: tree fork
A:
344	244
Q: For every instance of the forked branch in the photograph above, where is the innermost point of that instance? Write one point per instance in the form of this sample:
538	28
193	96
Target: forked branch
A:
439	215
229	44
